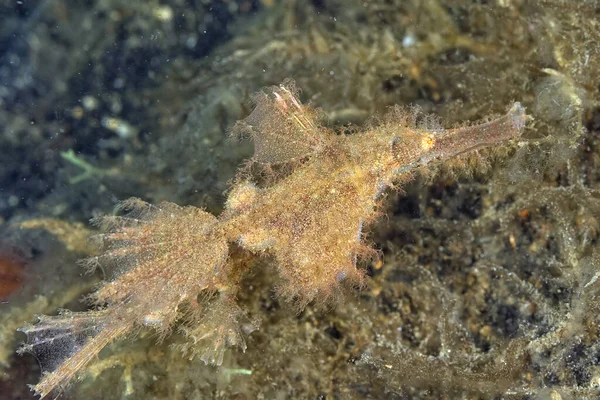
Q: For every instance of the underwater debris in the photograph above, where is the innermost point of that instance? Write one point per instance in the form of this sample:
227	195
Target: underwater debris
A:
88	169
74	235
11	274
322	189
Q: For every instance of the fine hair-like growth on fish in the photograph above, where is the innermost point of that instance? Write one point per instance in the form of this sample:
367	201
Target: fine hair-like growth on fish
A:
173	266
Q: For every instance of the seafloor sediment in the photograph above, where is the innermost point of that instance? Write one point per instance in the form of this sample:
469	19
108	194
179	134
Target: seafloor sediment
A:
487	286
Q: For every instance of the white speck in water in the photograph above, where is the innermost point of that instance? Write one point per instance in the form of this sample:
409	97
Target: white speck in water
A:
409	40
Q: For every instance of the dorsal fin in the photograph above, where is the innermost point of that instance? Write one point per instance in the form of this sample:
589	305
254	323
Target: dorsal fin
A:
282	128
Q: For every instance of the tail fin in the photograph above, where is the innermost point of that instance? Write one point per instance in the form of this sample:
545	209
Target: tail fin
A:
64	344
159	257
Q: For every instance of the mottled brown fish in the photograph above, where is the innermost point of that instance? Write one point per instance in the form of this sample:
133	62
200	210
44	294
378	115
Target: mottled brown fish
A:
172	263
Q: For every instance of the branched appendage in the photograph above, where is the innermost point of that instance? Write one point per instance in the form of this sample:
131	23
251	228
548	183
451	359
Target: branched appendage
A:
160	257
312	220
163	256
218	324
